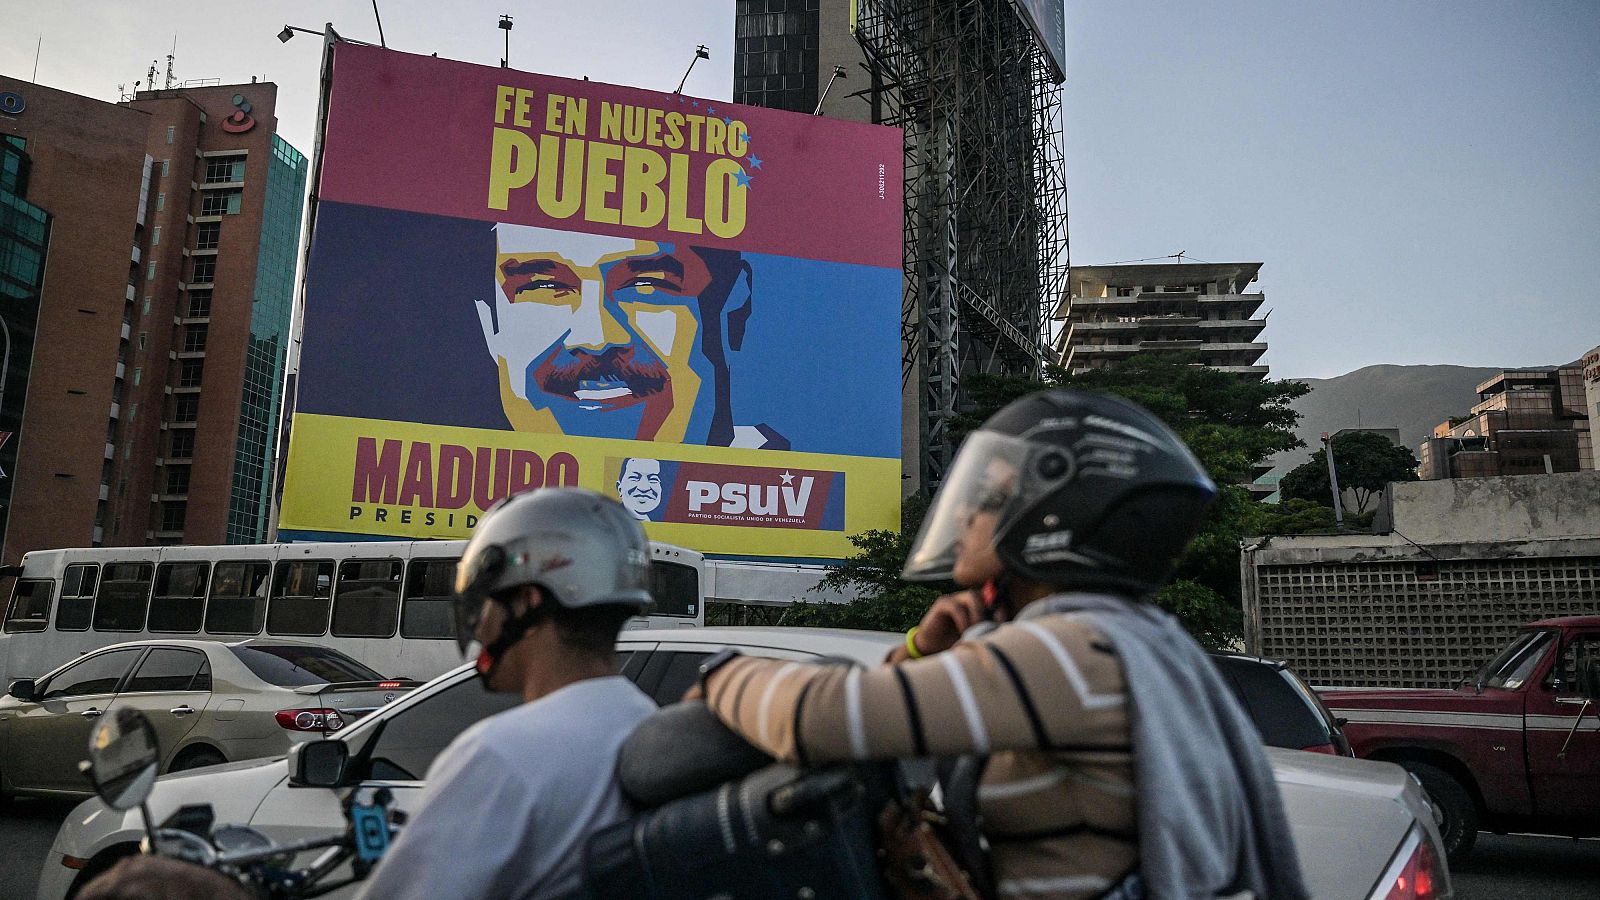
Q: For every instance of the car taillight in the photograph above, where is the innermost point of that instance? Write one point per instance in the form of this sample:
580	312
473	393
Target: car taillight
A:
1329	749
1421	877
310	719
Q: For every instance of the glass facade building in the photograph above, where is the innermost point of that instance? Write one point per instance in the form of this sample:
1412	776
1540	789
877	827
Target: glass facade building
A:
775	54
250	500
24	239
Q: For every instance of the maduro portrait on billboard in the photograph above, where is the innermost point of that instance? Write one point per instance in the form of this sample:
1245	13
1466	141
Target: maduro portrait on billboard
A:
517	280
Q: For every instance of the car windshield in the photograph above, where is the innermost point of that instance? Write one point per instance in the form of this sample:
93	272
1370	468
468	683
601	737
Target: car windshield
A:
294	665
1510	670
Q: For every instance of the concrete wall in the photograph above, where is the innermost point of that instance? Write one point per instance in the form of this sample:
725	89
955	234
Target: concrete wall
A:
1591	401
1507	508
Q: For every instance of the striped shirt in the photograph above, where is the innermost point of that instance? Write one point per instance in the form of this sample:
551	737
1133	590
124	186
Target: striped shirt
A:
1045	699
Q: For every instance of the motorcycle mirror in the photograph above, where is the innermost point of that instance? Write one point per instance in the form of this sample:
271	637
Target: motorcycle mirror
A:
123	758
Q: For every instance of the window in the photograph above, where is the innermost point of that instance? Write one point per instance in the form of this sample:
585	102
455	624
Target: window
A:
194	337
675	671
150	274
675	589
198	305
1516	662
146	309
171	130
161	201
186	408
177	480
138	375
297	665
1579	652
182	446
217	203
99	674
412	738
238	598
206	235
155	236
367	602
166	165
173	515
142	335
204	270
224	169
165	670
1274	703
189	372
124	597
180	600
300	595
429	585
30	605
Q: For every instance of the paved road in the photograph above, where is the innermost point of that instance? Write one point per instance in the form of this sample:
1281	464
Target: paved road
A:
1502	868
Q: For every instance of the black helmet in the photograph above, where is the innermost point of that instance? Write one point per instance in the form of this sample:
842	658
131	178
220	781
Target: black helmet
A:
1091	492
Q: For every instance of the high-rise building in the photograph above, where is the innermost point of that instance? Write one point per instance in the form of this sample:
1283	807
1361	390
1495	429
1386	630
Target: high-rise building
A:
24	239
1114	312
1526	422
163	318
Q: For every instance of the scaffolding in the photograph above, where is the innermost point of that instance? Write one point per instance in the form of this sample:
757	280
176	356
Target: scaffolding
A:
985	188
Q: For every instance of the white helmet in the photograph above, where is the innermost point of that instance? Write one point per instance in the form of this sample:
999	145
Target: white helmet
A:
577	546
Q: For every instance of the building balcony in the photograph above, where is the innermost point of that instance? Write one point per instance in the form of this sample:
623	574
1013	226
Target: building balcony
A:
223	185
137	254
132	294
1254	371
111	451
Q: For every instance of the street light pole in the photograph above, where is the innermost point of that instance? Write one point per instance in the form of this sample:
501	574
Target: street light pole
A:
1333	481
505	25
838	73
700	52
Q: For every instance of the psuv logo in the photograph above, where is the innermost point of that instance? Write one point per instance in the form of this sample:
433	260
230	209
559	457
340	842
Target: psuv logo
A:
11	103
698	493
787	498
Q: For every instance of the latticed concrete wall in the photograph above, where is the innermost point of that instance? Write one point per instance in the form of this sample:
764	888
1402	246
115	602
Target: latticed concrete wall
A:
1411	624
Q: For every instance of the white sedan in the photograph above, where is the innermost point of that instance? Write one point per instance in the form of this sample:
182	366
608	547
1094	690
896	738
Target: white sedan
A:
1362	829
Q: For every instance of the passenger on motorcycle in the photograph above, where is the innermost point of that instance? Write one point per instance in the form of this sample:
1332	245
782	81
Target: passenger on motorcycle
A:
1114	761
544	587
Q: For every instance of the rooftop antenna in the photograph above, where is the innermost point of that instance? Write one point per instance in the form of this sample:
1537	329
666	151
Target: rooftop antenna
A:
170	55
150	76
505	25
700	52
39	45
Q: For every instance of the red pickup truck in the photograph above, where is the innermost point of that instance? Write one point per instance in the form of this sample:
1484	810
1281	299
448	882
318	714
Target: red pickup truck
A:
1514	747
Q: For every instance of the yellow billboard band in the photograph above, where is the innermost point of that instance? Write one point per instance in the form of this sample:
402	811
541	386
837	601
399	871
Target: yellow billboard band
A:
410	480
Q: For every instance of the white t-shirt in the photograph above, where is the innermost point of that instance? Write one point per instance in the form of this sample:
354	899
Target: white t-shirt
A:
510	803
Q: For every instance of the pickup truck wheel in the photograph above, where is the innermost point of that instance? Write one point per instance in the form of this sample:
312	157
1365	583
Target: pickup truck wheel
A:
1454	812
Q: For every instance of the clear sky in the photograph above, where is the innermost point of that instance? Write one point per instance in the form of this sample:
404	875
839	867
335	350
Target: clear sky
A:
1421	178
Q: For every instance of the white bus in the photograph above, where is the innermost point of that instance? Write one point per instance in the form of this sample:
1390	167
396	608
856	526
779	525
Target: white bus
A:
386	603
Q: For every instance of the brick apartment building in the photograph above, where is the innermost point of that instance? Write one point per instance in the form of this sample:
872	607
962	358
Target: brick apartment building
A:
163	316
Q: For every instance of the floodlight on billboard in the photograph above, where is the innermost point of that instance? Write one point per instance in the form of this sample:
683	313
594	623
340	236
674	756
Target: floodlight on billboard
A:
519	280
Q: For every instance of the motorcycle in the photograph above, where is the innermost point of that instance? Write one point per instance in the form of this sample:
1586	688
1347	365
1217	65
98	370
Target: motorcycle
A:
124	758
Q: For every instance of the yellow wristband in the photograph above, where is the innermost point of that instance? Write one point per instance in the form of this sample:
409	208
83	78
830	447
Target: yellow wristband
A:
911	643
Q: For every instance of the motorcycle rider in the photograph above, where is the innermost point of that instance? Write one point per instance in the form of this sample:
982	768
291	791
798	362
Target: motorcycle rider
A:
1118	763
544	586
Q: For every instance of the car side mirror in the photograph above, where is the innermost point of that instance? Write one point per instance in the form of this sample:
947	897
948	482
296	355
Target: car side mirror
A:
24	689
318	763
1589	679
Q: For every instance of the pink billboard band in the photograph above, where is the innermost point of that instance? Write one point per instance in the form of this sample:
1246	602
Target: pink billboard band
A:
421	134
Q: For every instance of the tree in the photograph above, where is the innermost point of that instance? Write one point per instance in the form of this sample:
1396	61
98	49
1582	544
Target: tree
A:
1366	462
1232	424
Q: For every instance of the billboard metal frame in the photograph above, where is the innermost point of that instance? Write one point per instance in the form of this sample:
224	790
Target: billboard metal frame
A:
986	252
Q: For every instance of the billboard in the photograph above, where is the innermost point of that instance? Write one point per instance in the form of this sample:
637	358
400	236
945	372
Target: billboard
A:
518	280
1048	20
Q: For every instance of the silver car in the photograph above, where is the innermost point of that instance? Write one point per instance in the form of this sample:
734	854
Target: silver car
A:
210	703
1359	826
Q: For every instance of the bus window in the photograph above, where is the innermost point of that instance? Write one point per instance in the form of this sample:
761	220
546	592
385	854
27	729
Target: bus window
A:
124	597
180	600
300	594
238	598
674	588
30	605
367	601
77	597
429	586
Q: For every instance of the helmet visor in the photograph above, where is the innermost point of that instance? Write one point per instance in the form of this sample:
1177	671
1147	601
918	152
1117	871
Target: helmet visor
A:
981	496
475	576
